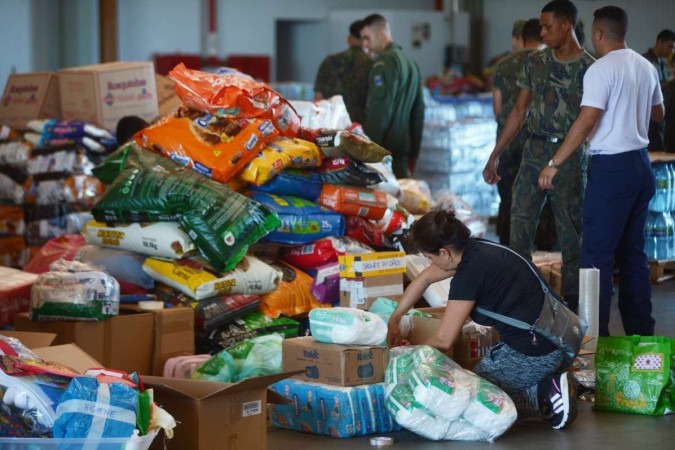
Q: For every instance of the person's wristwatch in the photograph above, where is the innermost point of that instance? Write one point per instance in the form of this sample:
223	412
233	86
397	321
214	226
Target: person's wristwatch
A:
552	164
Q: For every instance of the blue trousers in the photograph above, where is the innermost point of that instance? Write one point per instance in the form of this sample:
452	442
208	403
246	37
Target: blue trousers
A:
618	191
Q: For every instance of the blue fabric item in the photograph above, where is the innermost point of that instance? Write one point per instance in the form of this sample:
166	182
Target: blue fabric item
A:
618	191
90	409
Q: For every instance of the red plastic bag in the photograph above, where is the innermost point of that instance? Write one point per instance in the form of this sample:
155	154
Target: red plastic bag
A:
230	95
65	247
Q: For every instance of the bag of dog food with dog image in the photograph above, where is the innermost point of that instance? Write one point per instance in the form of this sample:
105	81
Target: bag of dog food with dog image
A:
337	143
214	146
197	280
221	223
231	95
345	170
294	182
282	153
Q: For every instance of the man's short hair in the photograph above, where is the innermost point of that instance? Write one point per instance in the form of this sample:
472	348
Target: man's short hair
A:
562	9
517	30
376	20
613	21
666	35
355	29
532	30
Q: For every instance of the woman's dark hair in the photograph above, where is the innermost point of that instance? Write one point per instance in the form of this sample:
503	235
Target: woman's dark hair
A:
439	229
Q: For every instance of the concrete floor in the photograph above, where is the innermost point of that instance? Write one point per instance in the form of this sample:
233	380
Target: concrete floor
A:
592	430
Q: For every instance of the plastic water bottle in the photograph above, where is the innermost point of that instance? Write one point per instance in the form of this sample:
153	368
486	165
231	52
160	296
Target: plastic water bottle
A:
671	166
650	236
661	200
664	234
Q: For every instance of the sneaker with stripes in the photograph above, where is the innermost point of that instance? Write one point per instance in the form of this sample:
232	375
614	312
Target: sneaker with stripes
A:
561	402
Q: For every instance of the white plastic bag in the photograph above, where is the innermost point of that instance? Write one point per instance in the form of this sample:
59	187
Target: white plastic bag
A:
347	326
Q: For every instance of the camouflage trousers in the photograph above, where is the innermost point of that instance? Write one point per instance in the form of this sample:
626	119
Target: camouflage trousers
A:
566	199
509	164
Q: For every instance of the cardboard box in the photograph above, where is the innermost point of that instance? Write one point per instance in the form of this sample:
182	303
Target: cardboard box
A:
469	348
166	95
361	293
69	355
341	365
14	293
29	96
124	342
104	93
174	335
214	415
371	264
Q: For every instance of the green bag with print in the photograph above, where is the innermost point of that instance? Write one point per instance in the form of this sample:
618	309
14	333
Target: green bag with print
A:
635	374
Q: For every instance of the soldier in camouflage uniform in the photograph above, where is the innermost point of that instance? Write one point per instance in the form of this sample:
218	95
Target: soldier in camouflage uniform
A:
346	74
504	97
395	105
549	101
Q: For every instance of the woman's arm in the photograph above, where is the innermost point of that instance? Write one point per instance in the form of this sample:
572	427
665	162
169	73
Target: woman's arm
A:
456	313
413	292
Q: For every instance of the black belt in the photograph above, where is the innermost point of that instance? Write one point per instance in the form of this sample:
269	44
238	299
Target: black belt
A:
543	137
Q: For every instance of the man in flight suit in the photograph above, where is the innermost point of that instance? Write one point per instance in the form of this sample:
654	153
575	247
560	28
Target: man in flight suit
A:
395	105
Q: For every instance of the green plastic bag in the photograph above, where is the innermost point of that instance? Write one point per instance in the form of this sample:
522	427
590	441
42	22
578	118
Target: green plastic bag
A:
635	374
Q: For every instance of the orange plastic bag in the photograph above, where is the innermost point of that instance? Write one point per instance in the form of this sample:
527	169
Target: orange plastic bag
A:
213	146
353	201
230	95
293	296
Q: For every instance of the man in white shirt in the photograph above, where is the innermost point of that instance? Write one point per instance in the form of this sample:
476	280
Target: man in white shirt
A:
621	95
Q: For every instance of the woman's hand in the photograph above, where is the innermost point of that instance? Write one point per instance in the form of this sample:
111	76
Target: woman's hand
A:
394	336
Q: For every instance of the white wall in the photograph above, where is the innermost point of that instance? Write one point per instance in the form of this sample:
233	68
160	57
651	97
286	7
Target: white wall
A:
17	53
645	19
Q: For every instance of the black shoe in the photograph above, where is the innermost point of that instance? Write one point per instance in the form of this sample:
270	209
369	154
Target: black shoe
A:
561	402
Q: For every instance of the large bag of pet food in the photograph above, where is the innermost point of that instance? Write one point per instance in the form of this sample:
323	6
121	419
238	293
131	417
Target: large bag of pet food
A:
301	220
337	143
295	183
346	170
293	295
161	239
74	291
216	147
323	251
230	95
247	326
220	222
197	280
280	154
354	201
62	247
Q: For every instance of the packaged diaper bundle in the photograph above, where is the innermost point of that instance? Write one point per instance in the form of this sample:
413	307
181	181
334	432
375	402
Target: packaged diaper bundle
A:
335	411
347	326
431	395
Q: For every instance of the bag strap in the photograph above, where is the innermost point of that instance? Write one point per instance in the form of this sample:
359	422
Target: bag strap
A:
506	319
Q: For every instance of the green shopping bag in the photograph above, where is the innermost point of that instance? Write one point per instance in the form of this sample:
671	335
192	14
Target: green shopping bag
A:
635	374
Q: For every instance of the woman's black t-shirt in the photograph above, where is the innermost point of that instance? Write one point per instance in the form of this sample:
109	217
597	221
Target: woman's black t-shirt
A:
500	281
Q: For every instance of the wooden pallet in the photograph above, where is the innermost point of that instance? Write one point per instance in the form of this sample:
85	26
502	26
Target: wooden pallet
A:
661	271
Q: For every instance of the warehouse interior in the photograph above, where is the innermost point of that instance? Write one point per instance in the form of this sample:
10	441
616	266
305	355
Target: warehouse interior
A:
202	274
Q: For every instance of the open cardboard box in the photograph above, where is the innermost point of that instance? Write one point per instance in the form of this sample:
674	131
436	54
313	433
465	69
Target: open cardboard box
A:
228	416
69	355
